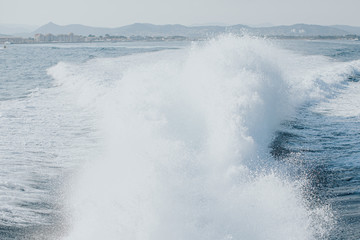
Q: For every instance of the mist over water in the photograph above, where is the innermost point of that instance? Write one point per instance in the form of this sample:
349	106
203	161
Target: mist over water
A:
185	143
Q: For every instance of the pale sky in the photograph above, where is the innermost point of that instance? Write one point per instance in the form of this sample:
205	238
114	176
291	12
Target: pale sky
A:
116	13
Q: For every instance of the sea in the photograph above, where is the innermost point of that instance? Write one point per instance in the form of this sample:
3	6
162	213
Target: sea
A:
229	138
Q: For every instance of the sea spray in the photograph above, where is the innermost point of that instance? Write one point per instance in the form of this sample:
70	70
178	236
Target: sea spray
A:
185	138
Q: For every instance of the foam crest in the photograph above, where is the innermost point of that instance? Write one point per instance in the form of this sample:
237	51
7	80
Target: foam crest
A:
185	139
345	103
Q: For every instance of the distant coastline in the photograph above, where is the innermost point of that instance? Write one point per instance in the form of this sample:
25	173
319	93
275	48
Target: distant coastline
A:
75	33
71	38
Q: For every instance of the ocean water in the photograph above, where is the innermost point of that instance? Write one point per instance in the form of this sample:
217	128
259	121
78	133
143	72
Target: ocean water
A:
230	138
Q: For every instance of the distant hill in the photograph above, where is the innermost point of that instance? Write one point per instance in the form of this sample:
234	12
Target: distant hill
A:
73	28
350	29
297	30
143	29
146	29
301	30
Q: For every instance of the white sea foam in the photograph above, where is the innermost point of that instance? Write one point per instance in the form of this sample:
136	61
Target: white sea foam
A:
185	139
346	103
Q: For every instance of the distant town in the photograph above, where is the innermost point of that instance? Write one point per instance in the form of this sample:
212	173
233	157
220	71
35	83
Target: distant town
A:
72	38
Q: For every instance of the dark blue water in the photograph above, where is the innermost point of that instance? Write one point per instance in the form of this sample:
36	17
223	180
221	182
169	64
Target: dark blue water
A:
325	147
327	150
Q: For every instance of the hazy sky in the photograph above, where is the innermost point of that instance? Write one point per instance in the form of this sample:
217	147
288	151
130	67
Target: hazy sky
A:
115	13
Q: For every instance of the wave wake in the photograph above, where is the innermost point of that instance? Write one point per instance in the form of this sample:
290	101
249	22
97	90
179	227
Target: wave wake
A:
185	138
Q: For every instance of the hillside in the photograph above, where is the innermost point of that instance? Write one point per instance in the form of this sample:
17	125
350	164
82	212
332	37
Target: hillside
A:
349	29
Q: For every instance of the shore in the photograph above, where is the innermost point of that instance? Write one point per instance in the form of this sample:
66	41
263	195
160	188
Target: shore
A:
71	38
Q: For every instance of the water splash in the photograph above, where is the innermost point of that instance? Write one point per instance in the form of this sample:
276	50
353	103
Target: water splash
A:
185	139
